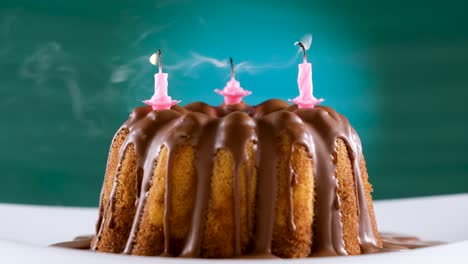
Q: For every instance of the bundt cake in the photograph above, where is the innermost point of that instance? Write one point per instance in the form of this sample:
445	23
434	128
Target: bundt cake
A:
236	181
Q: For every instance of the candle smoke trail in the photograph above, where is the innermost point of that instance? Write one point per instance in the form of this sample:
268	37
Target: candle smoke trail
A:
135	70
145	35
204	59
51	63
253	68
6	25
306	41
196	60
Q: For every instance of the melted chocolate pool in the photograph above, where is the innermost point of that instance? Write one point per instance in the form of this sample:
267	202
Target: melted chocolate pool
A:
392	242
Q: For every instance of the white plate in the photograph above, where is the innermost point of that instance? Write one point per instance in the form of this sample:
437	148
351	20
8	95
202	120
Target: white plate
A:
26	231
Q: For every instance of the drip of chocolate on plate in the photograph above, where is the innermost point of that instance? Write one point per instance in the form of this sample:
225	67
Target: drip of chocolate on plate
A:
392	242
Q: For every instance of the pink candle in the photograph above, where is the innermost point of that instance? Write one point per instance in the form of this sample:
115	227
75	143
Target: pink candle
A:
160	100
306	98
232	92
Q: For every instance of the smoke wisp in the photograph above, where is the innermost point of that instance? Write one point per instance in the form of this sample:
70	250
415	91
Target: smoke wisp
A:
50	62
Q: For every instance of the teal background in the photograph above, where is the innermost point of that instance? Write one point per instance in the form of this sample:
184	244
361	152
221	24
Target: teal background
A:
71	71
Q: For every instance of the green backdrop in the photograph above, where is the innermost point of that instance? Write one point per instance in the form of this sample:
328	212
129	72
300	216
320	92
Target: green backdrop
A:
70	72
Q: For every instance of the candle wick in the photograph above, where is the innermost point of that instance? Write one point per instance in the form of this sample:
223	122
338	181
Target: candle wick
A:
303	50
160	61
232	67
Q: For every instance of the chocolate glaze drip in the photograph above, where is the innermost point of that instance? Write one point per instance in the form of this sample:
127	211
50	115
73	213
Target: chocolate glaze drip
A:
232	127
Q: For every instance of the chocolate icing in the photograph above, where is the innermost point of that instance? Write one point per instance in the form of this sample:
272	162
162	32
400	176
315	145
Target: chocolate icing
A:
232	127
